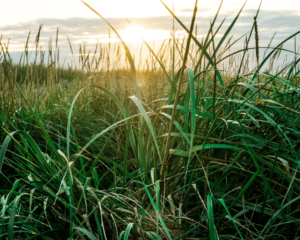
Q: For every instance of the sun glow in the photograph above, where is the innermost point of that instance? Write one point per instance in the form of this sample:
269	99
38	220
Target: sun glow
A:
137	34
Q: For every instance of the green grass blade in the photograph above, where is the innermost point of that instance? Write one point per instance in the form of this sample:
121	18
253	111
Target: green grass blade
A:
148	121
280	44
197	42
41	162
87	233
12	217
3	149
121	236
127	231
268	225
156	208
193	102
228	30
224	205
104	131
41	125
201	147
210	217
69	123
153	236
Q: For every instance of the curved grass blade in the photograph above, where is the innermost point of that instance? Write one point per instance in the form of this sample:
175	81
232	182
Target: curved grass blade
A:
166	152
148	121
246	49
128	54
206	42
98	225
121	236
156	208
197	42
153	236
280	44
187	233
87	233
3	149
270	120
69	123
201	147
252	88
123	111
204	115
127	231
12	217
177	125
228	30
292	70
4	204
114	98
41	159
41	125
267	226
106	130
231	218
160	63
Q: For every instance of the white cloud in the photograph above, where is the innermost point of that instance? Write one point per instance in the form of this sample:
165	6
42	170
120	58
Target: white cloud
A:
20	11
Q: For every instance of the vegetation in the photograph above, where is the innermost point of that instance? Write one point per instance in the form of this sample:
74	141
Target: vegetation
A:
190	152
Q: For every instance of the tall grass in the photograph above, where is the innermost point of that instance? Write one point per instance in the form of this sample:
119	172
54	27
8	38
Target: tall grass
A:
194	153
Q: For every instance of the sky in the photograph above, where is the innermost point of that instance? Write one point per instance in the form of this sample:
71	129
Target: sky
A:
19	11
149	20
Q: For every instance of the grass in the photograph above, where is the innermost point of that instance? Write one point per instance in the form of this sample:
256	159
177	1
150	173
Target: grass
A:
93	152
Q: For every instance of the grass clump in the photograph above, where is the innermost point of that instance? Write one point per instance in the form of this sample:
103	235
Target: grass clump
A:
194	153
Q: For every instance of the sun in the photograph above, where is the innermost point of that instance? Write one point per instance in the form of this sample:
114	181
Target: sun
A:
133	34
137	33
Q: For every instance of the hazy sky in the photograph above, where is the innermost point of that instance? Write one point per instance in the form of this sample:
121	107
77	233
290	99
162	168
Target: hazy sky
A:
150	19
20	11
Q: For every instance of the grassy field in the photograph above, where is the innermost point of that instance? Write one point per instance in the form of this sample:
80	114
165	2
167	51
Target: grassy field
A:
180	149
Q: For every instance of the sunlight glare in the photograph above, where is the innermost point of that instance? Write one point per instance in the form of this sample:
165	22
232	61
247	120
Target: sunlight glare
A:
137	33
